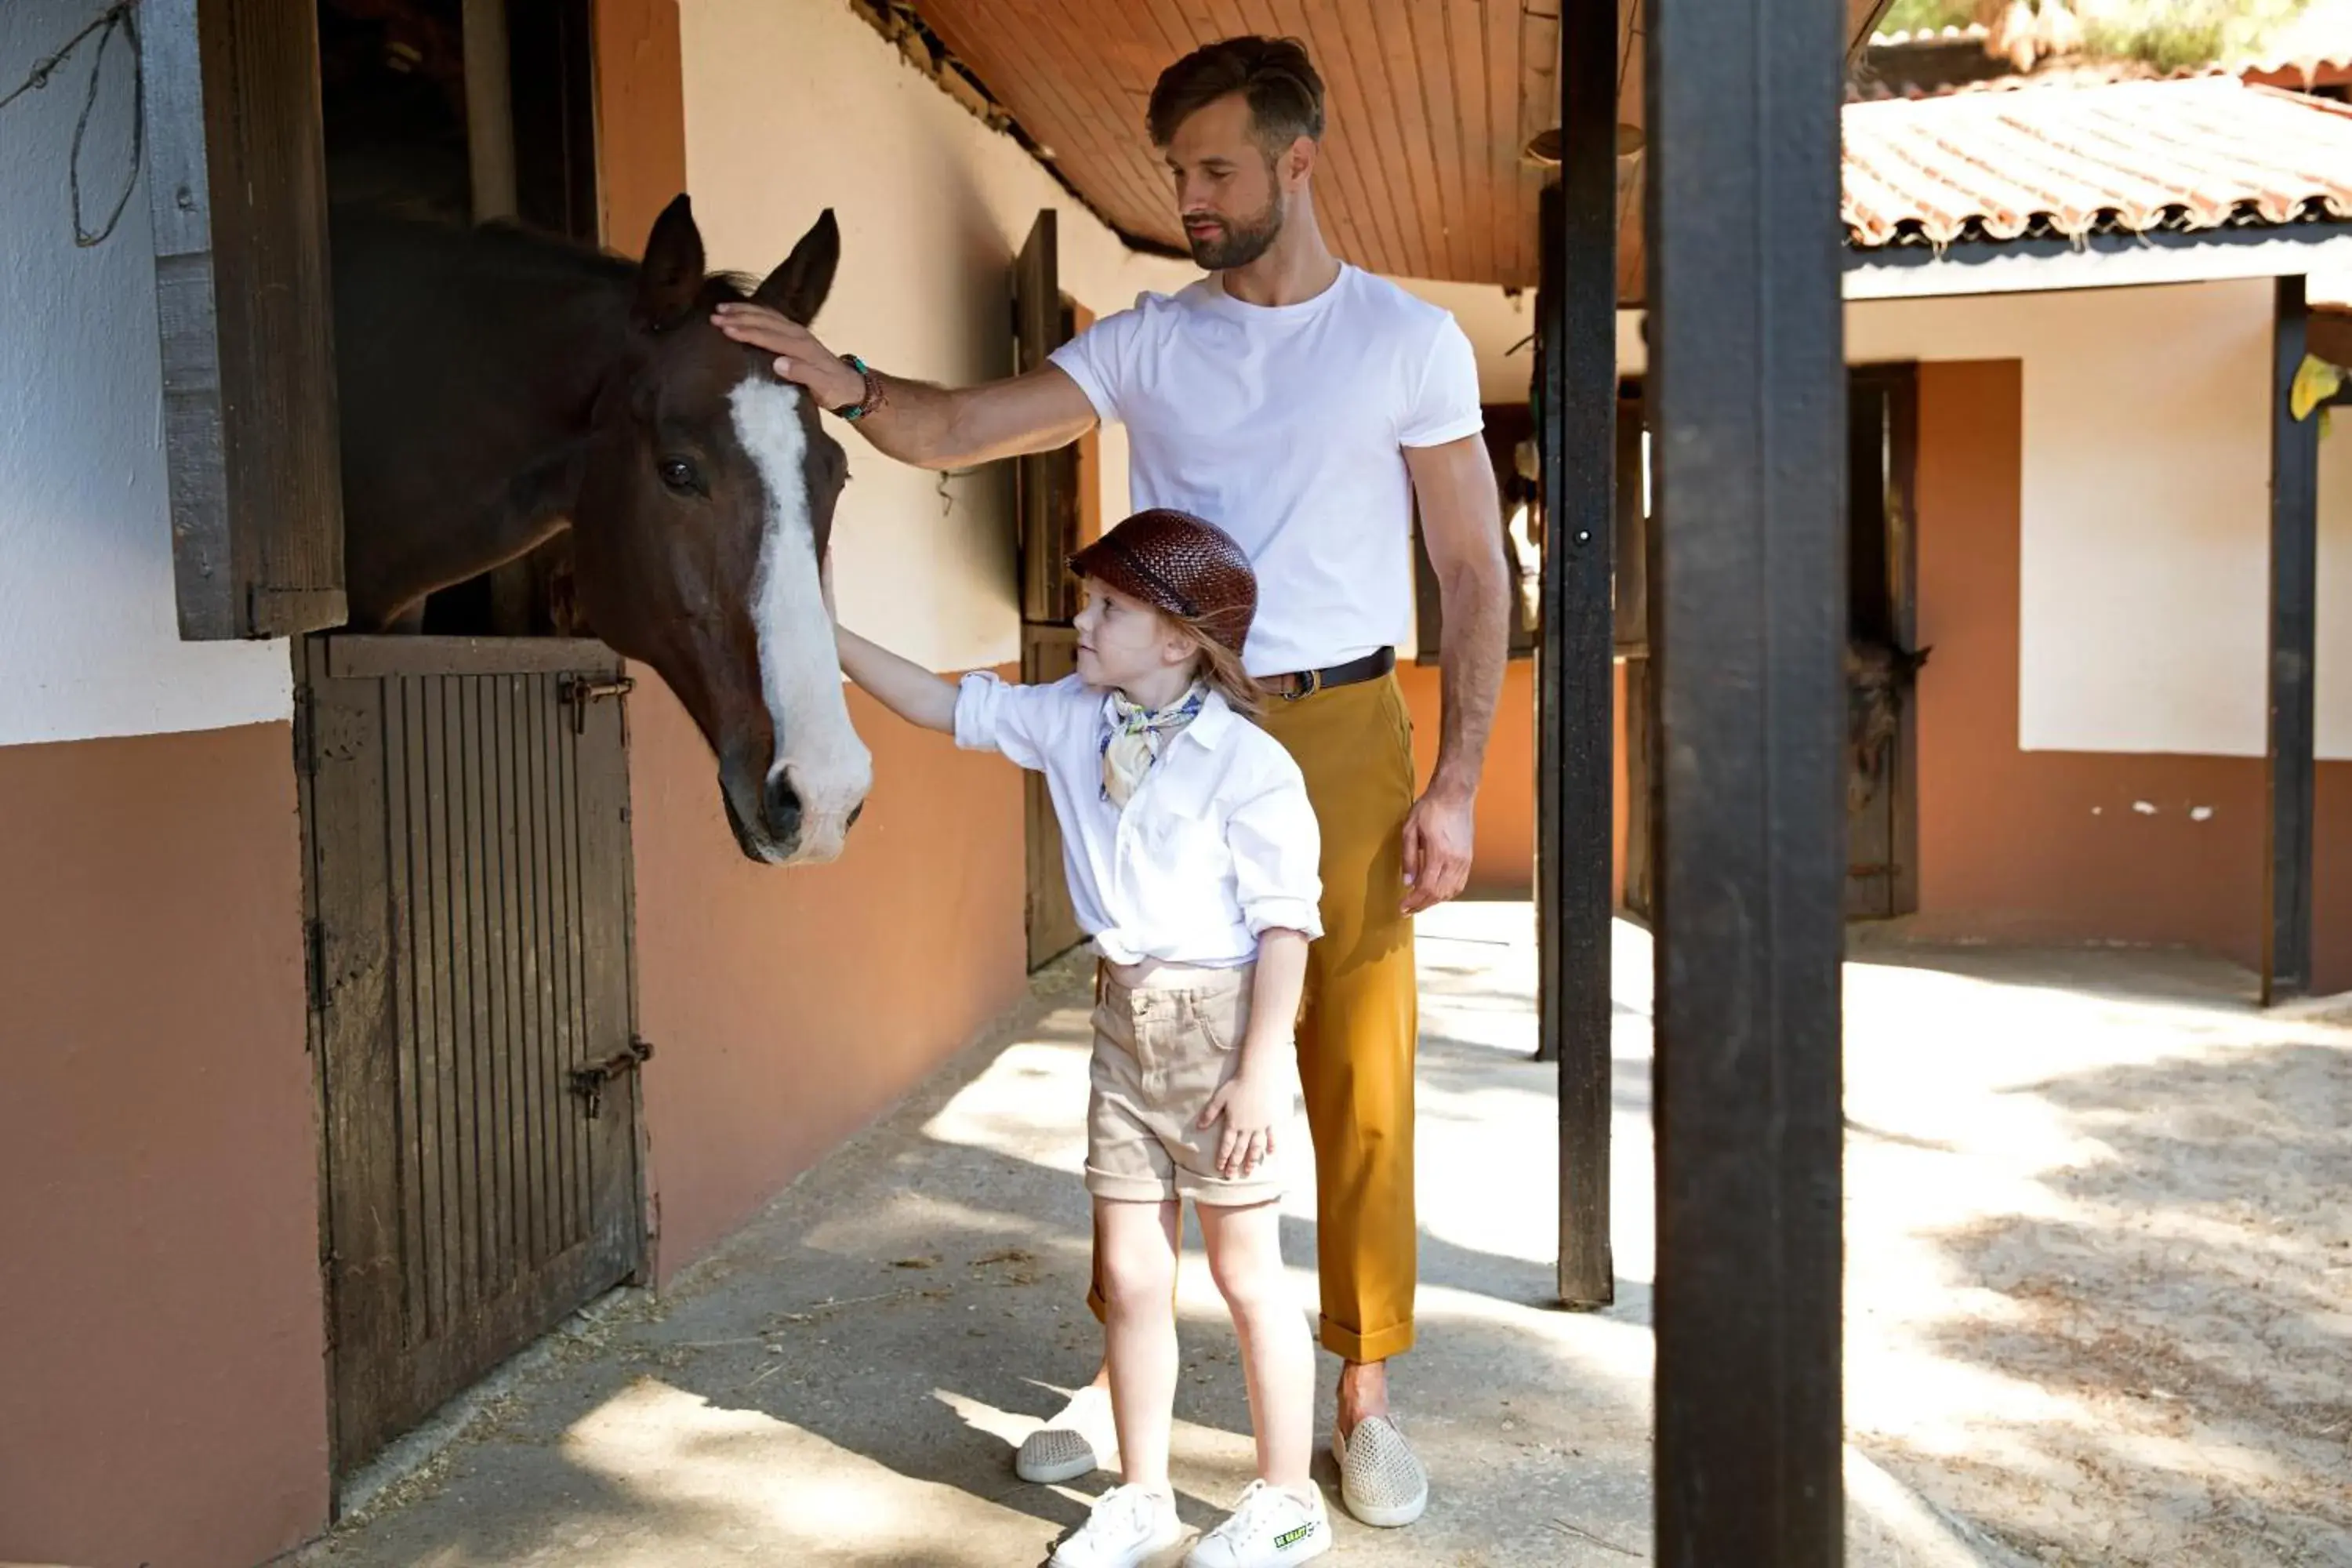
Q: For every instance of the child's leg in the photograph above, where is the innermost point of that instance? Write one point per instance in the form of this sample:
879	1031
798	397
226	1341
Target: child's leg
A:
1278	1353
1134	1250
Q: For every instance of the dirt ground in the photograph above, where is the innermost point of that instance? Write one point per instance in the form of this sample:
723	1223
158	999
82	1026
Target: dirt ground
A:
2099	1303
2100	1253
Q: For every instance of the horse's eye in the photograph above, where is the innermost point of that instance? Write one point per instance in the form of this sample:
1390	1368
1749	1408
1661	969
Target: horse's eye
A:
681	476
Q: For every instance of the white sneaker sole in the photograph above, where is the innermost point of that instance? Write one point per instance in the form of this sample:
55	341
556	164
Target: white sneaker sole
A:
1068	1470
1138	1557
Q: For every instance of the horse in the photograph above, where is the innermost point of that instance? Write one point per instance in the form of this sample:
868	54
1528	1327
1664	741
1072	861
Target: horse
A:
1879	678
498	386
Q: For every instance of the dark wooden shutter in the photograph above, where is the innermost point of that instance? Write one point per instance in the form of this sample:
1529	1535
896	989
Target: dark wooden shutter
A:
1048	481
237	186
1047	501
1629	584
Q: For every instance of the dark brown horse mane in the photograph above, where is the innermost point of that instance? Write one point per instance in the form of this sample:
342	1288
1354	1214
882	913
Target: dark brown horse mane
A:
511	247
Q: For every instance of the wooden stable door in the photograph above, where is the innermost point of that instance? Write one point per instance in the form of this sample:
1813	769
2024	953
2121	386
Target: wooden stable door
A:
1882	637
466	814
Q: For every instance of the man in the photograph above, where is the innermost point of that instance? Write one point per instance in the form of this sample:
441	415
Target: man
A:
1305	406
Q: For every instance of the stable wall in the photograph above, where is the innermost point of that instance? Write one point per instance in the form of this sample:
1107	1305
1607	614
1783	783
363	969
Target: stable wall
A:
89	634
2144	520
2093	502
2067	845
163	1387
789	1008
793	106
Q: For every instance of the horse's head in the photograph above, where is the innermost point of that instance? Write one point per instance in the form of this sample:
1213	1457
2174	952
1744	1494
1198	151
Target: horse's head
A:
705	510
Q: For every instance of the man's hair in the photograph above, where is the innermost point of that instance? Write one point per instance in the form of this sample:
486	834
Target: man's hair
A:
1285	95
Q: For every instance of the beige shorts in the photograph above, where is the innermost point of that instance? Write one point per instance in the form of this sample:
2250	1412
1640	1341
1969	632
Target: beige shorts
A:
1161	1052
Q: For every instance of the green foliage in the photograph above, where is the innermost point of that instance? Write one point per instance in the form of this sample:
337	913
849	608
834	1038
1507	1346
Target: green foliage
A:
2173	35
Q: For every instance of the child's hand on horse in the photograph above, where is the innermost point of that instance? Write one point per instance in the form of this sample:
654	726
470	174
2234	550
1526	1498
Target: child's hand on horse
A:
800	358
1250	1103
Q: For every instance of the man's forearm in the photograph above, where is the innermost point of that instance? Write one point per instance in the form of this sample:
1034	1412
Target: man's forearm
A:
1475	607
915	423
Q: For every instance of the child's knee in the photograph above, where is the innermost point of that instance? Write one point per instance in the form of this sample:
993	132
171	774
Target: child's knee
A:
1250	1278
1138	1278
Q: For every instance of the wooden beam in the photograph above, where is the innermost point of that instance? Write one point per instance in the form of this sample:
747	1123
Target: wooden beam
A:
1748	620
2295	579
1576	749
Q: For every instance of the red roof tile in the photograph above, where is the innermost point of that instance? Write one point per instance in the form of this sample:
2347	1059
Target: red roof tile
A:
2199	152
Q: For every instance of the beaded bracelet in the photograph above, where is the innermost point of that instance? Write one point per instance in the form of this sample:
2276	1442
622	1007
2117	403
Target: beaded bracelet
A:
873	397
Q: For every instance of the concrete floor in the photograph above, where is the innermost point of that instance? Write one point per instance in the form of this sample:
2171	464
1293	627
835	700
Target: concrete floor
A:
843	1384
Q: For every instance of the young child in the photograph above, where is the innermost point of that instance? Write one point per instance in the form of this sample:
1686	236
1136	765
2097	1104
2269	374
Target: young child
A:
1191	855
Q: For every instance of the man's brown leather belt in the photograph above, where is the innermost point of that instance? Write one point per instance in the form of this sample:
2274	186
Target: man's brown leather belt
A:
1307	683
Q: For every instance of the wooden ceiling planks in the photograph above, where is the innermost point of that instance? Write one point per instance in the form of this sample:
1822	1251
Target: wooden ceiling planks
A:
1430	103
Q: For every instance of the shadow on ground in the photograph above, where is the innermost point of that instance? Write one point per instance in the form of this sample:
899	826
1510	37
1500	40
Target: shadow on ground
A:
2146	1335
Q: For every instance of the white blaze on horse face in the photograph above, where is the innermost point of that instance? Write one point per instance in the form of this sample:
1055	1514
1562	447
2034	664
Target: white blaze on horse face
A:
816	748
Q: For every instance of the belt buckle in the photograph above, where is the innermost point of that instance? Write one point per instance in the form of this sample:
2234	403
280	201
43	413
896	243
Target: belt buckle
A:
1310	682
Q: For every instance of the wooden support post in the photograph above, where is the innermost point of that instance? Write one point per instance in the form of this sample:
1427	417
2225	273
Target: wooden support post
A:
1575	749
1747	619
2294	574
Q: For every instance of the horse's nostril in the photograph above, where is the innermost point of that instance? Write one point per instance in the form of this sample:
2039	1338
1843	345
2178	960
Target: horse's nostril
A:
784	804
855	813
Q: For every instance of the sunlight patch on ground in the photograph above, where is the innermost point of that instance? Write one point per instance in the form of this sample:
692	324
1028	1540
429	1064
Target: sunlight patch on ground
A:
746	1478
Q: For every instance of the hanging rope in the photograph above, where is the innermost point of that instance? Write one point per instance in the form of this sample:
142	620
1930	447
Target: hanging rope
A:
116	18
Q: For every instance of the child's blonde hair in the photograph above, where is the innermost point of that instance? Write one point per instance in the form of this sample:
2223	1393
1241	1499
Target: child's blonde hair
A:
1220	668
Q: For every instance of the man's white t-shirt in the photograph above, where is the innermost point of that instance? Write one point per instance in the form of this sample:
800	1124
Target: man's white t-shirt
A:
1285	426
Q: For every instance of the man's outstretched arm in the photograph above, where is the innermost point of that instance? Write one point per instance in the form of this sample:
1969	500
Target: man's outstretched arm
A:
930	427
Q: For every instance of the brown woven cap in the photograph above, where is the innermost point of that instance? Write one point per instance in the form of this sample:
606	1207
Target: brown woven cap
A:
1180	565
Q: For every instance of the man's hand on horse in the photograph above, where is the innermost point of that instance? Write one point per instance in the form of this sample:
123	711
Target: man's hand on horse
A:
800	358
1438	838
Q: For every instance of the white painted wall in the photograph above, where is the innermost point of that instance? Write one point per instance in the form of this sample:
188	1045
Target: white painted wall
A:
89	643
2144	584
795	105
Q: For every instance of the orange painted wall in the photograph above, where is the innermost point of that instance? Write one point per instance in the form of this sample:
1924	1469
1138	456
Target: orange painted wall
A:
789	1007
2052	844
1503	861
641	116
163	1381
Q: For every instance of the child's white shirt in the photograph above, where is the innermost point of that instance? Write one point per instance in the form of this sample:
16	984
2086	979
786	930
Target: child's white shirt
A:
1217	845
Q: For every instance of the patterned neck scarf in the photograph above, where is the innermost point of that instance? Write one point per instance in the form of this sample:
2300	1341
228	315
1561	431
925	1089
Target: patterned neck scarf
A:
1133	737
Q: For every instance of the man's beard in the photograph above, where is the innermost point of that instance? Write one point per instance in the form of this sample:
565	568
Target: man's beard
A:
1242	240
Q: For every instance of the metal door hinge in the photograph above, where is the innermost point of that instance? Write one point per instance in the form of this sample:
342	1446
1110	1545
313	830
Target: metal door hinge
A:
589	1082
579	690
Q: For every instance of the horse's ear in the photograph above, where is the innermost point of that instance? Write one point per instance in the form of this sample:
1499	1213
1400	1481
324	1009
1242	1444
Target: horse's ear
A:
797	290
671	278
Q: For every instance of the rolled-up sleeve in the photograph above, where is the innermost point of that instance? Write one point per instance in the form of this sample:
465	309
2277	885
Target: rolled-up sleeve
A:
1277	849
1016	722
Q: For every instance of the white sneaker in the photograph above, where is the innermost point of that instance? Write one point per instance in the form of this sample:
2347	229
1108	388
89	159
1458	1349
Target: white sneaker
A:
1268	1528
1128	1527
1379	1480
1080	1441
